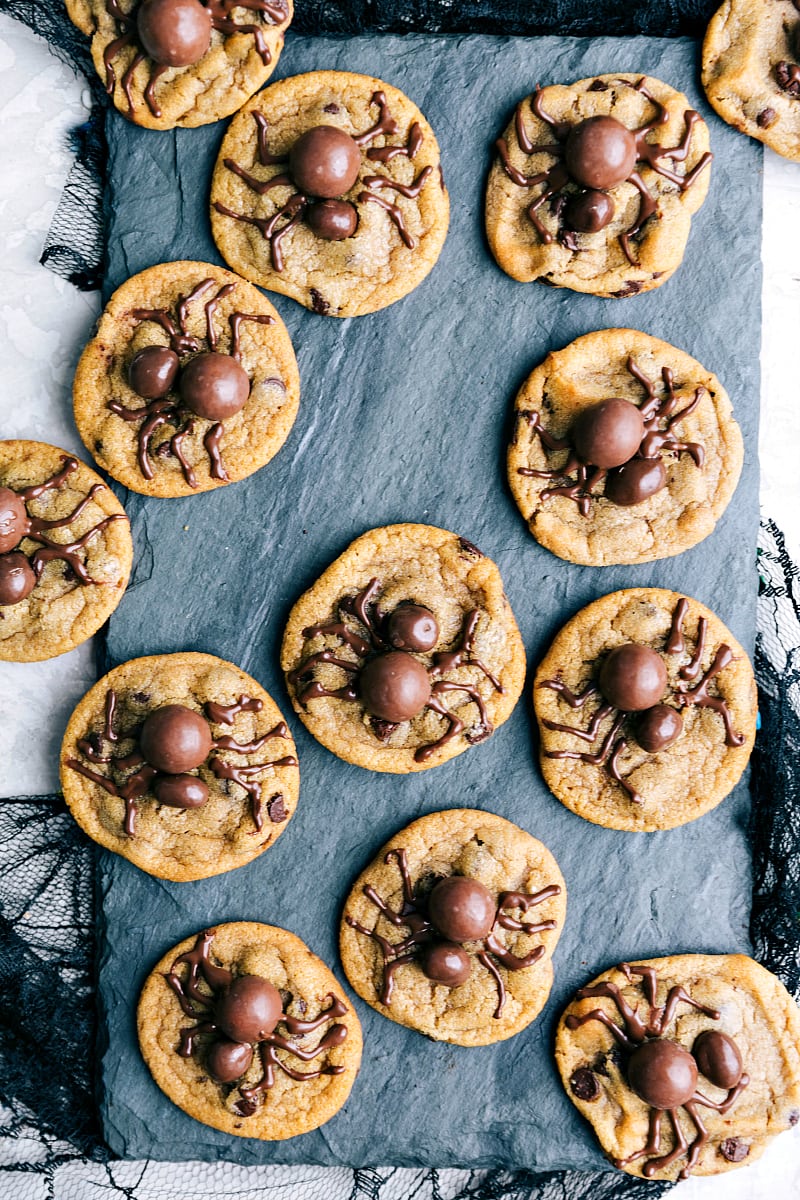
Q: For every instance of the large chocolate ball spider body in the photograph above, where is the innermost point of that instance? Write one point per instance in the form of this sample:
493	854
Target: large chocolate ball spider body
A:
629	687
323	165
177	33
620	443
20	570
211	385
595	155
787	74
660	1071
167	746
387	678
445	923
237	1014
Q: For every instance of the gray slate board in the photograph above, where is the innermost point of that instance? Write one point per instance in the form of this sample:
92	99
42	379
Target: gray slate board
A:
404	417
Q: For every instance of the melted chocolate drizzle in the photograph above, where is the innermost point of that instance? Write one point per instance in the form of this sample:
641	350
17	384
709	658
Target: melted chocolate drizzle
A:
634	1031
656	441
556	177
364	608
132	787
612	745
413	915
199	1005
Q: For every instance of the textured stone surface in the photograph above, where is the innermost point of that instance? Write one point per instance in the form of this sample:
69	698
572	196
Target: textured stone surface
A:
422	392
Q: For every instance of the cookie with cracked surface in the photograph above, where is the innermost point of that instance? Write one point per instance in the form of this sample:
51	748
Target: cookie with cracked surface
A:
405	651
751	70
451	929
328	188
189	383
182	764
249	1032
182	63
65	551
624	450
595	184
647	707
683	1065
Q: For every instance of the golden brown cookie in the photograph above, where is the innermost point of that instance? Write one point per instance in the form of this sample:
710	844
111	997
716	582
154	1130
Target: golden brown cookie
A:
647	710
595	184
328	188
65	551
271	1048
451	929
190	382
751	70
683	1065
168	63
182	764
405	652
624	450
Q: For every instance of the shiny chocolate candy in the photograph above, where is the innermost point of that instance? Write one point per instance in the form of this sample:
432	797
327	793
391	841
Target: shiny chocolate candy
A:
412	627
228	1061
175	33
14	521
658	728
214	386
588	212
462	909
636	481
446	963
609	433
175	739
153	371
600	152
718	1058
17	578
394	687
180	791
325	162
333	220
249	1009
633	677
663	1074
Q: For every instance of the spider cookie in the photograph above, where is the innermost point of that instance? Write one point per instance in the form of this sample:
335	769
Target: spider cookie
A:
168	63
247	1031
328	188
451	929
624	450
751	70
65	551
687	1064
182	764
190	382
647	709
405	652
595	185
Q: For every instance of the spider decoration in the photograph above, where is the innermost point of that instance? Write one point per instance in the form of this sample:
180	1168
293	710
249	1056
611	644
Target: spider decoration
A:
167	746
619	442
662	1072
177	33
323	165
212	385
787	74
20	573
631	683
240	1013
388	679
597	154
455	910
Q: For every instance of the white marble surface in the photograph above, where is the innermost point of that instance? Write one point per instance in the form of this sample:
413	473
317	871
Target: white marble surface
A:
43	324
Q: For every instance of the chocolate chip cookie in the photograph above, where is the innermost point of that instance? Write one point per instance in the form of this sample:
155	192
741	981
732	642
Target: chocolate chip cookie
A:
328	188
168	63
751	70
647	710
190	382
65	551
683	1065
450	930
249	1032
624	450
405	652
182	764
595	184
